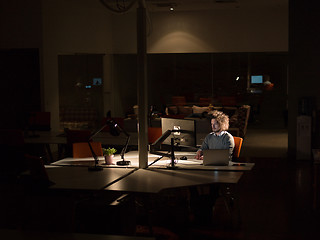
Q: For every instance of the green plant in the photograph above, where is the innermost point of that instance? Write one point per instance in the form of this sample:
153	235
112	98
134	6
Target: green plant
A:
109	151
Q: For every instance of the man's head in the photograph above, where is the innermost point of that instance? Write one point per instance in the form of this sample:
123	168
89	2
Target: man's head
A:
219	121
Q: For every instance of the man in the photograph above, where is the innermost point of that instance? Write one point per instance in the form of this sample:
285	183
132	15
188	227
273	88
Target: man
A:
219	138
202	204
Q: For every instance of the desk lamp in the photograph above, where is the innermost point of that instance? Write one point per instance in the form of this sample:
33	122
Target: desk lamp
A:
115	130
124	149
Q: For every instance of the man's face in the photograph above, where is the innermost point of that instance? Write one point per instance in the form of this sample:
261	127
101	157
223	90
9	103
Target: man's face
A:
215	126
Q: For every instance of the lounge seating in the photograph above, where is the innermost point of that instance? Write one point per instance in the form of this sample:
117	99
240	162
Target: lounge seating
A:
78	118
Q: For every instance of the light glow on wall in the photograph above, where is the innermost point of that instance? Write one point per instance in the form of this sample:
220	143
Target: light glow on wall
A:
179	42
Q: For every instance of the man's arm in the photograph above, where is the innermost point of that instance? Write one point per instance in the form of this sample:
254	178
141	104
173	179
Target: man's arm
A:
199	155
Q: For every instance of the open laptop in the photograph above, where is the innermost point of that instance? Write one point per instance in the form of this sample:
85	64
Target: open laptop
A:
216	157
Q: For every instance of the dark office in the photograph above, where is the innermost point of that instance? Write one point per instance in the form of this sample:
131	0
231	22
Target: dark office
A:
109	106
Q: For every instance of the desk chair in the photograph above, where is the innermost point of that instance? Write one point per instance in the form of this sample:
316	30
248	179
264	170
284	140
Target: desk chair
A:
82	149
153	134
237	147
39	121
74	136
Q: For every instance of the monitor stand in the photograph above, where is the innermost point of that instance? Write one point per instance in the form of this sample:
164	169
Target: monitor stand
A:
172	165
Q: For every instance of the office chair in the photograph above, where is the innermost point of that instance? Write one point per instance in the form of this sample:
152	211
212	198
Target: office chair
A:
74	136
82	149
39	121
237	146
153	134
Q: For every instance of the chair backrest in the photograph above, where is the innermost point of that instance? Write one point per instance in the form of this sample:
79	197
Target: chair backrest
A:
82	149
154	133
237	146
74	136
39	121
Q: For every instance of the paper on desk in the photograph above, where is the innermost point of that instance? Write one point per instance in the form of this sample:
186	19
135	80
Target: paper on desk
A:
167	162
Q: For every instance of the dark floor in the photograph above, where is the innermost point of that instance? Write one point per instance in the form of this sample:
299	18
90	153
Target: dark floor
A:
276	199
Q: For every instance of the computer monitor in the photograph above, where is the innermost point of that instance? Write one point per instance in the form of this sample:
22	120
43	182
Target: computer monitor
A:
256	79
183	132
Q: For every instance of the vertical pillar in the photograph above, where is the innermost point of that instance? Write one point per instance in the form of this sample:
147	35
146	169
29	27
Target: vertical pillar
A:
142	85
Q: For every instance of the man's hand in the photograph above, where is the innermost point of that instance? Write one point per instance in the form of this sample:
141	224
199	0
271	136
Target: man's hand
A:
199	155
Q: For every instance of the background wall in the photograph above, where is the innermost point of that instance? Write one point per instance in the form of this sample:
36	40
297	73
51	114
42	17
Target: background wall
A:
304	68
85	26
70	27
229	30
241	29
20	71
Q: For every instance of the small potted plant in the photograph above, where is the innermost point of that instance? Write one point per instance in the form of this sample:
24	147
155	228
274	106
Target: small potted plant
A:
108	154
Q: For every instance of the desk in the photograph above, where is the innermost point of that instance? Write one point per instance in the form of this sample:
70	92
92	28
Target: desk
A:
155	180
142	182
135	180
49	137
80	178
46	138
133	157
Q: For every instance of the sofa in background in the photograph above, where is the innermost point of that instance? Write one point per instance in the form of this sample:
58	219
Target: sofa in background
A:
78	118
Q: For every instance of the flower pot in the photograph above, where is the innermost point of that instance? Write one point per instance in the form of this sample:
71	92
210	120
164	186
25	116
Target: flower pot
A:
109	159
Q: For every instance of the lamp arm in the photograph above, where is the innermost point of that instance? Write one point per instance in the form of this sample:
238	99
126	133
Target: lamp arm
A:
99	130
158	142
94	155
124	149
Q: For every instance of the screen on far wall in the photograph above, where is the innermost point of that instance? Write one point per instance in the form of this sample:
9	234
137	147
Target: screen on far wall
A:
97	81
256	79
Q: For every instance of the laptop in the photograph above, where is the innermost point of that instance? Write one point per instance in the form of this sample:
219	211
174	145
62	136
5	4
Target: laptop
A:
216	157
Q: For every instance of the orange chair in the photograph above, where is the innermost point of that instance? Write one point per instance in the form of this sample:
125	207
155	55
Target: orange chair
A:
237	146
153	134
82	149
74	136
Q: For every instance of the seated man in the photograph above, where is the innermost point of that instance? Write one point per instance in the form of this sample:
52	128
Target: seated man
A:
202	205
219	138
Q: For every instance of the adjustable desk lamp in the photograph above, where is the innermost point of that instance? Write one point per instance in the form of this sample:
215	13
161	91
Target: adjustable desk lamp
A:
115	130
